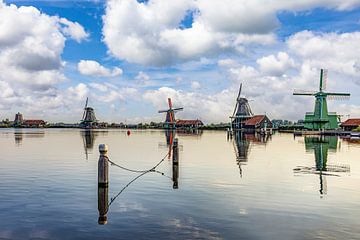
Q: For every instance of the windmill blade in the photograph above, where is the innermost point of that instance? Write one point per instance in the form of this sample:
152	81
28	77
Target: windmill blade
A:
338	97
236	106
304	92
171	116
170	103
325	79
163	111
239	91
86	104
237	100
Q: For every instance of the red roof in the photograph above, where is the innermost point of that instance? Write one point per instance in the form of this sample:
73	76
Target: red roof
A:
254	120
34	122
189	122
351	122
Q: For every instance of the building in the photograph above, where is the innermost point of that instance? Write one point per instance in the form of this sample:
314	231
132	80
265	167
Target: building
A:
350	124
170	121
189	123
257	122
33	123
30	123
242	112
88	120
321	118
18	119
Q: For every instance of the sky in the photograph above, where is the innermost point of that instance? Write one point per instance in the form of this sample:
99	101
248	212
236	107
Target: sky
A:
129	56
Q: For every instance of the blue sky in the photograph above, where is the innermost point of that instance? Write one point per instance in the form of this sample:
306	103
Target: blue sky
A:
197	52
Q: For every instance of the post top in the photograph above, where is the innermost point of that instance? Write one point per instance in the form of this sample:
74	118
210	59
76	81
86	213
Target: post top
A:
103	148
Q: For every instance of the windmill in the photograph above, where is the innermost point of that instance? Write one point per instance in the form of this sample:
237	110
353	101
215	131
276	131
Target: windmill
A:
321	119
242	111
170	122
88	119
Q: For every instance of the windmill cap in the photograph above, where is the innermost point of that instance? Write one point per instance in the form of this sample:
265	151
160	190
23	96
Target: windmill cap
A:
103	148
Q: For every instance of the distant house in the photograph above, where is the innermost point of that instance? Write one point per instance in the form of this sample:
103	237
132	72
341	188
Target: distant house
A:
258	122
350	124
189	123
34	123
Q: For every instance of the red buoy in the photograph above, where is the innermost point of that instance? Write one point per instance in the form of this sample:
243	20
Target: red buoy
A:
128	132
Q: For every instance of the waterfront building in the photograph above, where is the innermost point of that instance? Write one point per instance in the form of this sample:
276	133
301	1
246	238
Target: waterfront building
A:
257	122
18	119
170	121
33	123
88	120
320	118
242	112
189	123
350	124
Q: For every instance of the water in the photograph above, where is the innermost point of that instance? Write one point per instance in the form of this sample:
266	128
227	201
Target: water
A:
245	188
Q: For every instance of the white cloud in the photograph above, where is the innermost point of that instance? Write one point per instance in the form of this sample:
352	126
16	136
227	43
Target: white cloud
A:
93	68
142	77
151	33
338	52
73	29
276	65
195	85
31	68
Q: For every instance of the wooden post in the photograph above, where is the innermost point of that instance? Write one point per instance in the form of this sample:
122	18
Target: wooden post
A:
175	164
103	166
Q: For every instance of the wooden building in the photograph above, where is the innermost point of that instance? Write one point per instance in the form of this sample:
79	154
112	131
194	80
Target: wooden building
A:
189	123
350	124
33	123
257	122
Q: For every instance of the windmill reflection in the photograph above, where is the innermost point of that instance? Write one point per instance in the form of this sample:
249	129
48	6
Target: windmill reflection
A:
243	142
321	146
89	138
20	134
169	135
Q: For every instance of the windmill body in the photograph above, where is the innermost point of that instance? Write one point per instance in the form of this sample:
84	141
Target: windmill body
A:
88	120
321	118
242	112
170	121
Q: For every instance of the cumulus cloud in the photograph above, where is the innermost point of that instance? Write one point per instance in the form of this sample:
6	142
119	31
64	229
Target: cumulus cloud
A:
93	68
152	33
338	52
31	44
73	29
276	65
195	85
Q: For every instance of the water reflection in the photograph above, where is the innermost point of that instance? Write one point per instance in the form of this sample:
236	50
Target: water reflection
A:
20	134
321	146
89	137
88	140
104	204
242	143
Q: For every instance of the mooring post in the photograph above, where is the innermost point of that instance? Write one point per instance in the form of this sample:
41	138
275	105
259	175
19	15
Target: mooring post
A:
103	166
175	164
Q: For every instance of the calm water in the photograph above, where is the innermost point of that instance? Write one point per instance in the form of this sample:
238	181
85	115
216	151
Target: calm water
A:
245	188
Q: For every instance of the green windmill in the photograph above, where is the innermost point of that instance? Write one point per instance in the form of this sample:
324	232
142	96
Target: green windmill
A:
321	119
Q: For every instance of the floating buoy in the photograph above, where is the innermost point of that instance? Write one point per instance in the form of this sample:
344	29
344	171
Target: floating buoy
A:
128	132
